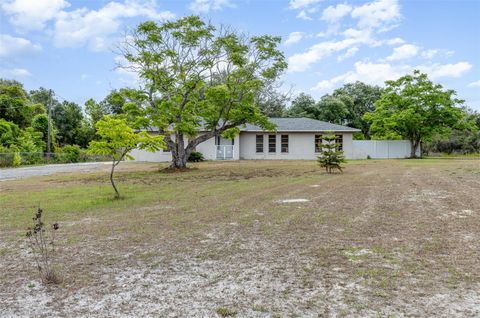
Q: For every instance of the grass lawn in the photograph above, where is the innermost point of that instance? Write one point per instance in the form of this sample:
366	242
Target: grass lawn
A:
386	238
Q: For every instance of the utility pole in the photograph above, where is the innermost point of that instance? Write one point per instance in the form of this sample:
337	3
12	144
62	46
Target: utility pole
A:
49	123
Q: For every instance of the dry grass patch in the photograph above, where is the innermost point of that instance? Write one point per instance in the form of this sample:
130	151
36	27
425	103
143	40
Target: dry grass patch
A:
385	238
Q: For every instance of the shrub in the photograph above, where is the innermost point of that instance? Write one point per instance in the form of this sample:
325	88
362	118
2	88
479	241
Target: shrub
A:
42	244
17	160
70	153
196	156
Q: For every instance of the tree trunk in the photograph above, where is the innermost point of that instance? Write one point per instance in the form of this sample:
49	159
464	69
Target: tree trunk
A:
179	154
414	146
117	194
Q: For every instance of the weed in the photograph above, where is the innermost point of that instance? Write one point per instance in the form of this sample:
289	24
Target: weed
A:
225	312
259	308
42	245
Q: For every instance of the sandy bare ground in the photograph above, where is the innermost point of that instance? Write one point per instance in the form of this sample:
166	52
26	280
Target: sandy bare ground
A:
259	239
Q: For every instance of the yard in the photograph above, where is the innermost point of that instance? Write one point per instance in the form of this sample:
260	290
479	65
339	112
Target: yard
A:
383	239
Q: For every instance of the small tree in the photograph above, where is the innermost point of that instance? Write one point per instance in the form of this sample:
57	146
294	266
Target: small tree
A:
118	139
331	156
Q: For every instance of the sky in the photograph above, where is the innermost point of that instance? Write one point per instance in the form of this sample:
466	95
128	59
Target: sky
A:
70	46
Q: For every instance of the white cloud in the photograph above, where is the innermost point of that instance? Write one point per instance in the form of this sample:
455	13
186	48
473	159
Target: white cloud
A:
403	52
94	27
378	73
474	84
333	14
305	7
300	4
205	6
81	26
32	15
436	71
300	62
379	14
14	46
15	72
395	41
429	54
350	52
371	73
294	37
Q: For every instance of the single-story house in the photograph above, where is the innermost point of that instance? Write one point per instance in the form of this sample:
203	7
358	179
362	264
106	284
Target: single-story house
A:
295	138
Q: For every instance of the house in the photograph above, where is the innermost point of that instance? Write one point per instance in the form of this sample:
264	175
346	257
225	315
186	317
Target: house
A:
295	138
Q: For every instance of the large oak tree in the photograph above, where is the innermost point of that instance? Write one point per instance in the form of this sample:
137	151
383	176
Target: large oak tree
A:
199	77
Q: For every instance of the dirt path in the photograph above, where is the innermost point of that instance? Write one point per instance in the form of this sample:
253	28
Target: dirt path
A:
27	172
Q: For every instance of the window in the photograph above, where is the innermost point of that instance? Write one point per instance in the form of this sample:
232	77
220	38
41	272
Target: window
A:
339	142
318	143
259	142
272	143
284	143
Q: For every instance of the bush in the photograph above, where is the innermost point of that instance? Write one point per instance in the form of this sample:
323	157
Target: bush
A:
70	153
6	158
17	160
196	156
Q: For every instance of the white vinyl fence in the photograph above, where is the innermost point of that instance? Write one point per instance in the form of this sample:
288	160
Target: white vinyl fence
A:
381	149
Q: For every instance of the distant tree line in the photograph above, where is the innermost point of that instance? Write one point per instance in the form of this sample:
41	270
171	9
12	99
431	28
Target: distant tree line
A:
441	123
24	121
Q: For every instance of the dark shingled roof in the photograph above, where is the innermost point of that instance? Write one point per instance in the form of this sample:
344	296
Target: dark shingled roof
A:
293	125
302	124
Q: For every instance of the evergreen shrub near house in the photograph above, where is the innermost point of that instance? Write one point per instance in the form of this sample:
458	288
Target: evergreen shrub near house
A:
196	156
331	157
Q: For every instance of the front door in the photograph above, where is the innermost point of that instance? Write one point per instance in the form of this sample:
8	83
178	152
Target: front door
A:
224	148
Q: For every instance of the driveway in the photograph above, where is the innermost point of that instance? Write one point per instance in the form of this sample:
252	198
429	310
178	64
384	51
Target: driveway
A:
26	172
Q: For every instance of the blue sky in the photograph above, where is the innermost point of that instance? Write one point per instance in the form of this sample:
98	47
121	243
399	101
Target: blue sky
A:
69	45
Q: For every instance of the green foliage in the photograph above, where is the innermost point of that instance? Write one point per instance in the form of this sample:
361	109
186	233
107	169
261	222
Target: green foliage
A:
95	111
333	109
363	98
40	124
70	153
85	133
331	158
117	139
17	160
9	132
271	102
196	156
303	106
15	106
68	118
196	75
414	108
225	312
328	108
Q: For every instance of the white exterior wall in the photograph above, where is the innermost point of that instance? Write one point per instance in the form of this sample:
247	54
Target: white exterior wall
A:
207	148
382	149
301	146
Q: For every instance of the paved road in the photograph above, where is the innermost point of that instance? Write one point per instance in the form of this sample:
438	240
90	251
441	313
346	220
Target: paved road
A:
26	172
